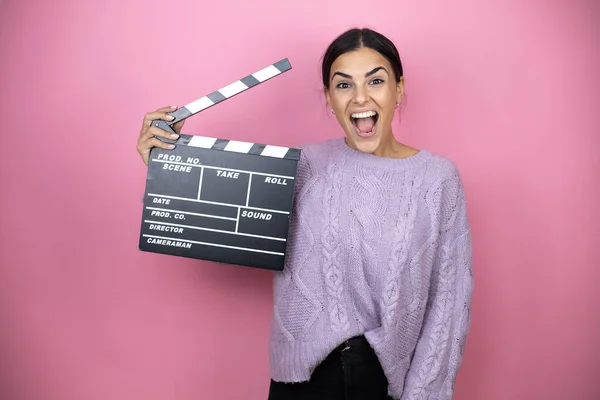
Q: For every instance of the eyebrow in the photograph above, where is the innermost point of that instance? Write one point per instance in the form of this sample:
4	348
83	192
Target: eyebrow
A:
371	72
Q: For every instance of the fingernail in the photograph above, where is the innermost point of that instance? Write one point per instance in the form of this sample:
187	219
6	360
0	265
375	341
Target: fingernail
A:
170	117
171	146
174	135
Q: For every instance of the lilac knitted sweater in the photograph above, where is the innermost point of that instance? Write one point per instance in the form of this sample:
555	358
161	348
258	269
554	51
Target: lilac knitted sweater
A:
380	247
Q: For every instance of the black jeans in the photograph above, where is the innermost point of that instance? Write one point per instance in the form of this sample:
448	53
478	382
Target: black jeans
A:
350	372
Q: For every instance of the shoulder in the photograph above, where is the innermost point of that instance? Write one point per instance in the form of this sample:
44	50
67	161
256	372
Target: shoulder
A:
315	149
446	195
314	155
444	176
441	168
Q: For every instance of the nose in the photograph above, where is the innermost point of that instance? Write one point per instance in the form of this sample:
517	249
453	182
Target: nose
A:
360	95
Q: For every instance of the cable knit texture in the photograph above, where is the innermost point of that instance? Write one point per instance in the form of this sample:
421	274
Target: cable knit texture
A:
379	247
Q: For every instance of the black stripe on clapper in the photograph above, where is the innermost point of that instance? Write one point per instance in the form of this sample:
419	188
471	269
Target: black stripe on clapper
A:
216	97
250	81
283	65
220	144
183	140
256	149
181	113
293	154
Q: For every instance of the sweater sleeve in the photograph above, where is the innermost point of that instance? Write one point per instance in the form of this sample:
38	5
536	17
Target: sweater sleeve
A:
439	349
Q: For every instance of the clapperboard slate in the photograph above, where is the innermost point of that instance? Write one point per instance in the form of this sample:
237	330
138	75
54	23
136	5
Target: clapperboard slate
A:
220	200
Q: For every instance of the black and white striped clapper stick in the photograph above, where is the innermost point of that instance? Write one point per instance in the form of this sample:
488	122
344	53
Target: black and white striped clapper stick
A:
217	199
222	94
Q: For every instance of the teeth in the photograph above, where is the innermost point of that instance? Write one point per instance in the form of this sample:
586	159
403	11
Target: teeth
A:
364	114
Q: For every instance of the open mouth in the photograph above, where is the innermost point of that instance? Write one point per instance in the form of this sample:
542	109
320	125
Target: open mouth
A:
365	123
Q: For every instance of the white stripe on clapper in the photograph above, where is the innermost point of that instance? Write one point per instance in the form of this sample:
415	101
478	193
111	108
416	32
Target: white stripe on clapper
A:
274	151
199	105
238	147
266	73
233	88
202	141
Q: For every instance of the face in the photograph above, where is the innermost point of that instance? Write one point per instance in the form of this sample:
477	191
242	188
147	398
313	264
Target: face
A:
363	93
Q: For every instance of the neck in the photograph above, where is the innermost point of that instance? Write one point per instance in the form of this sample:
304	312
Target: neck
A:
391	148
388	148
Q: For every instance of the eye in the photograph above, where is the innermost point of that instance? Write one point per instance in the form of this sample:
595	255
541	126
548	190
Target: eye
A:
342	85
377	81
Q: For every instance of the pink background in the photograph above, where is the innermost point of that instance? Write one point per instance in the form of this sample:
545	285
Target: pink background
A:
507	89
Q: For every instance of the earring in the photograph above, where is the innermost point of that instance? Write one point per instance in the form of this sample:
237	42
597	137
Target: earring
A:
333	112
397	105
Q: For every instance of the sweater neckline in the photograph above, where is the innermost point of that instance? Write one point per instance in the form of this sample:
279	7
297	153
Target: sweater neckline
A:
381	162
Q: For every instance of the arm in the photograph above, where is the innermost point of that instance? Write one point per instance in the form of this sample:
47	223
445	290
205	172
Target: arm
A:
439	350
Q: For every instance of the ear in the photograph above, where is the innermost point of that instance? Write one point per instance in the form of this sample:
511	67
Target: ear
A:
400	90
327	96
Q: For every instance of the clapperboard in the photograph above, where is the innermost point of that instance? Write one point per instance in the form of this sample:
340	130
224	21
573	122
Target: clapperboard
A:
220	200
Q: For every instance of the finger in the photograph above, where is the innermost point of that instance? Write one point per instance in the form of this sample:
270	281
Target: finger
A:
167	109
161	113
145	157
148	118
156	131
145	147
154	142
177	127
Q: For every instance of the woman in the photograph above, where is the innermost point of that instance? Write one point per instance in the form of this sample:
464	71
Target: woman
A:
375	298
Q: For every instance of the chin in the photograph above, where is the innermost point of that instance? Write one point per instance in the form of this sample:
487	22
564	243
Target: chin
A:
363	146
364	142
